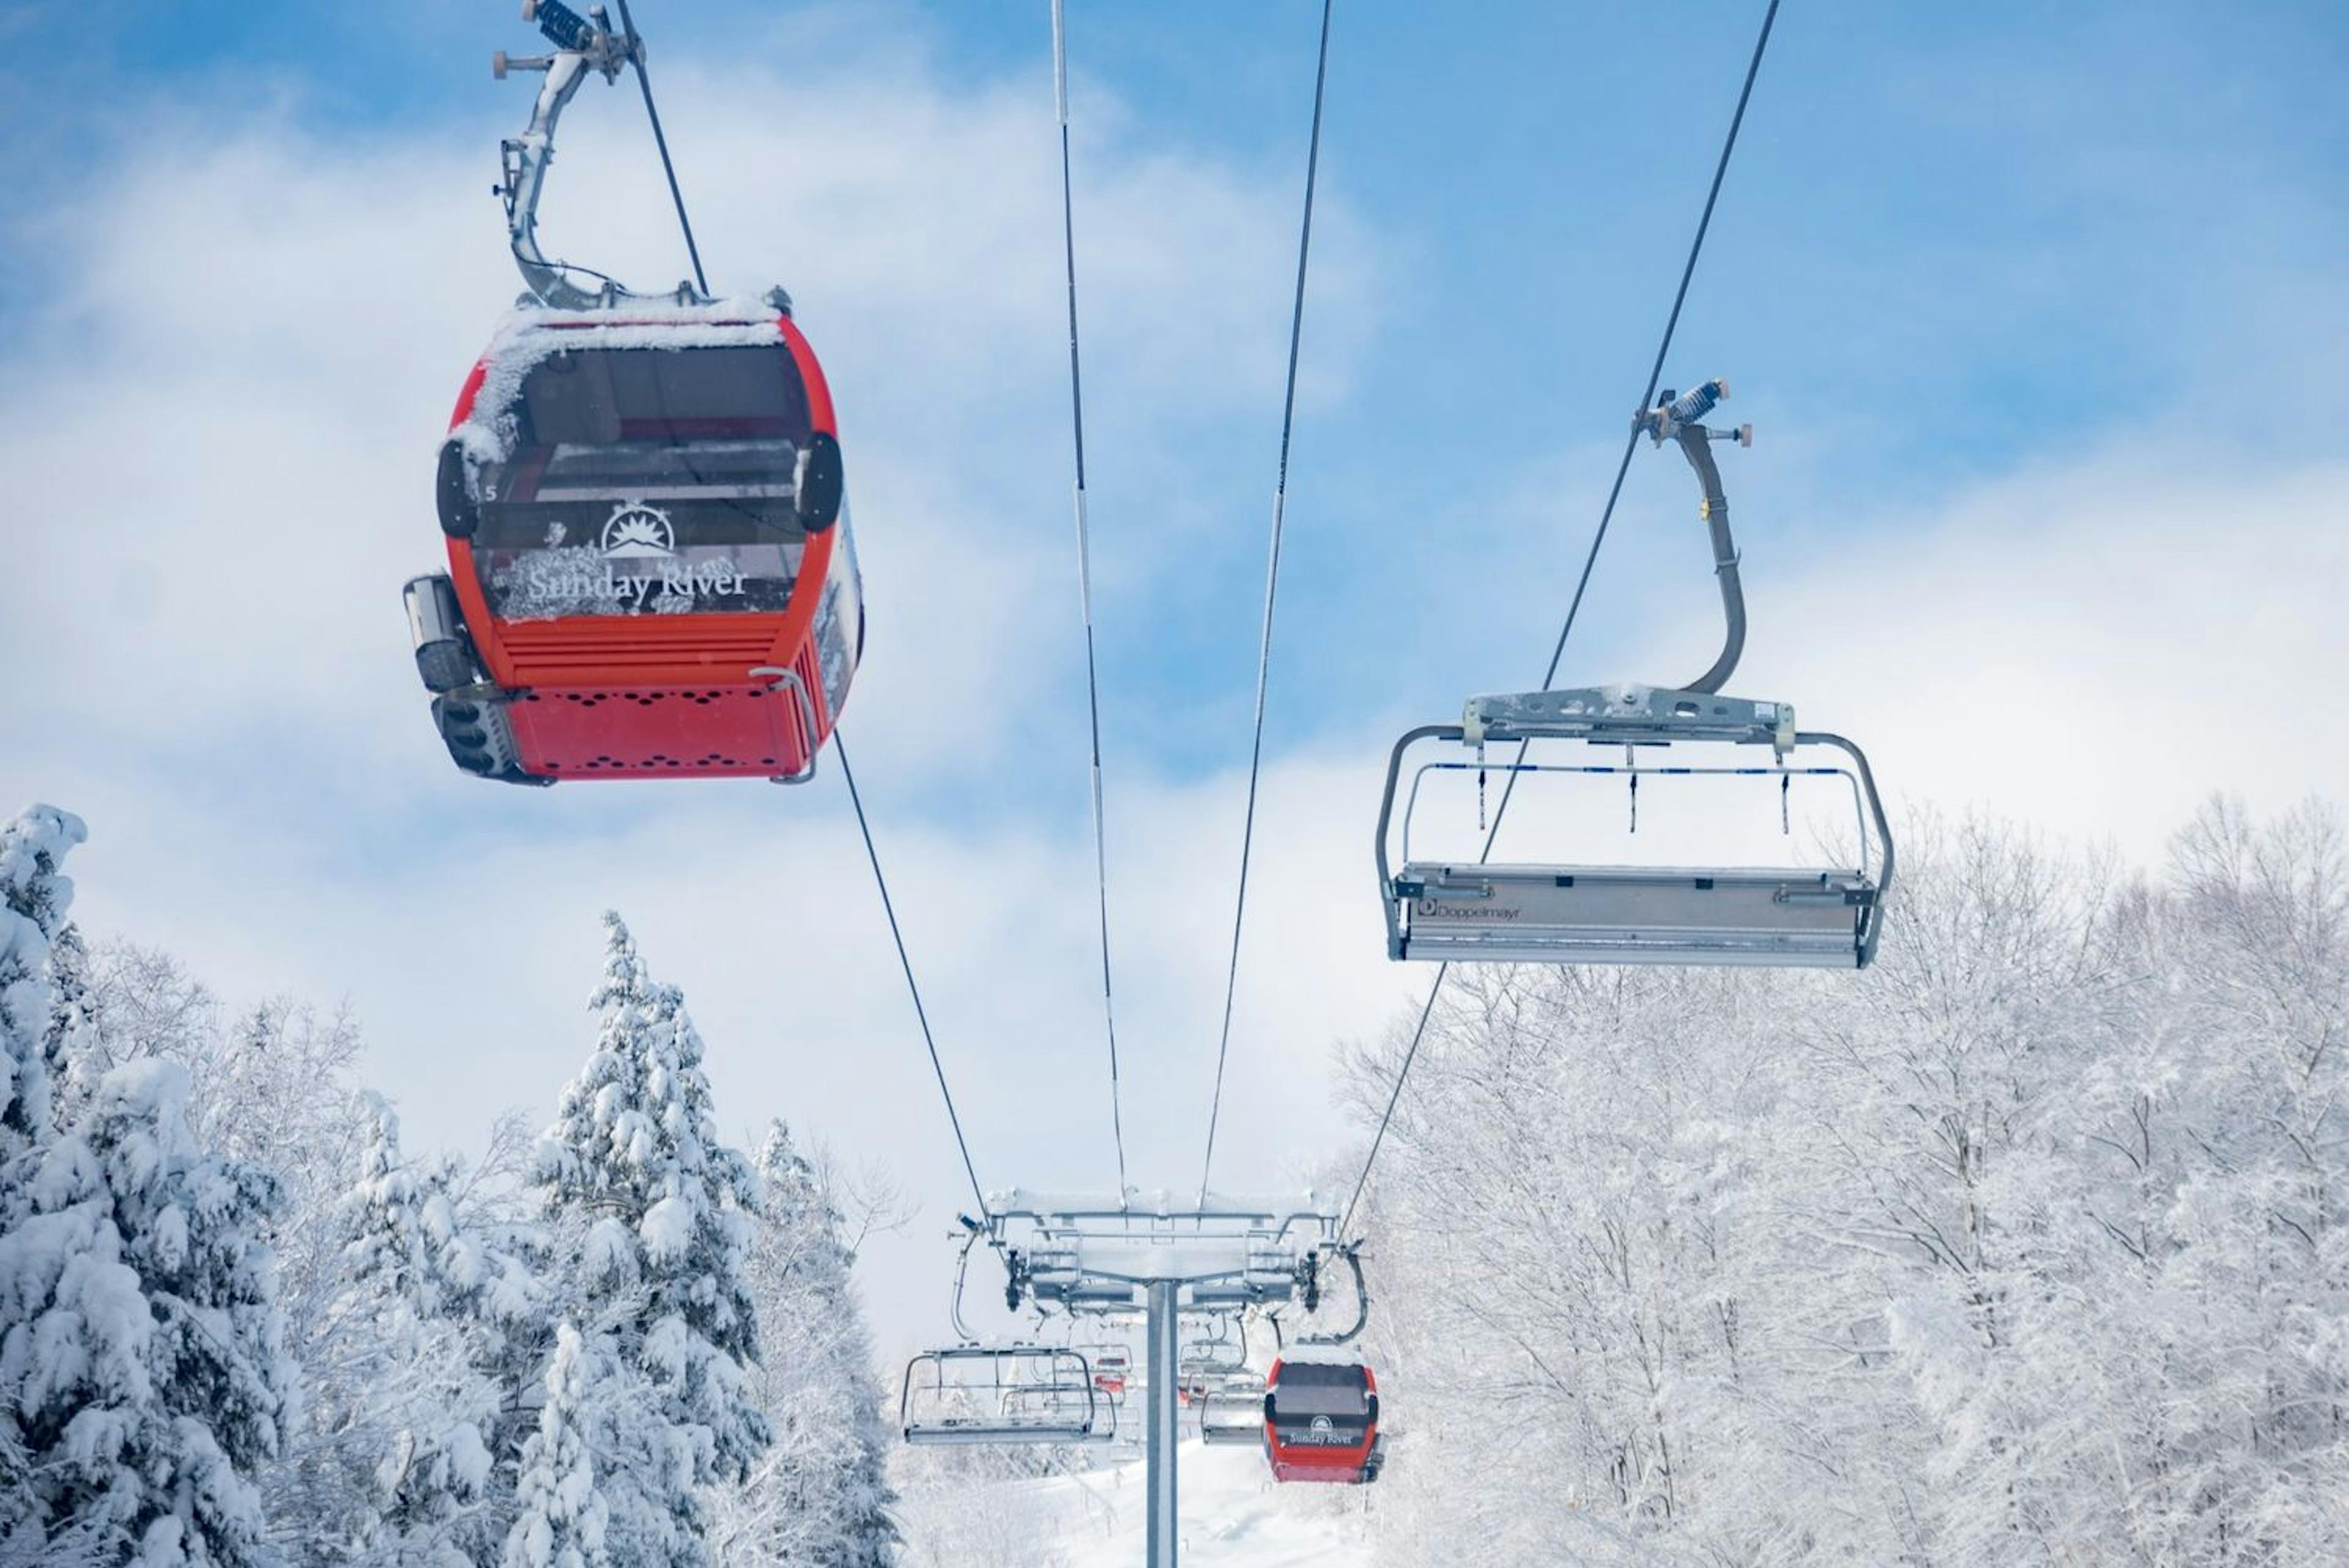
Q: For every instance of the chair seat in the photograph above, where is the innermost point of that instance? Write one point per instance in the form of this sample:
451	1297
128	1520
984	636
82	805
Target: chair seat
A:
1760	916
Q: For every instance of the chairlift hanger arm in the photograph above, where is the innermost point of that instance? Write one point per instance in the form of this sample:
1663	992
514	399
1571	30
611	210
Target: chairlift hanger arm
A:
1675	418
962	1270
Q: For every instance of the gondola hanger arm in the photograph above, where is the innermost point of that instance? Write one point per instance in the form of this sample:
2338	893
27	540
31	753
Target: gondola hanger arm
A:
1353	1253
582	44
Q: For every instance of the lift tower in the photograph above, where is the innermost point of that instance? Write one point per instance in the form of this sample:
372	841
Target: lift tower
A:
1162	1256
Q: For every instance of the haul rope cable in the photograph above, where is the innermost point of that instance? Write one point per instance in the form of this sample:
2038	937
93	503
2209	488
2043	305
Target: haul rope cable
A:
1655	374
1085	575
637	58
921	1013
1271	589
839	742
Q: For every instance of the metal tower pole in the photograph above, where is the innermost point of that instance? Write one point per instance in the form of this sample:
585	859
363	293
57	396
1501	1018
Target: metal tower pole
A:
1164	1375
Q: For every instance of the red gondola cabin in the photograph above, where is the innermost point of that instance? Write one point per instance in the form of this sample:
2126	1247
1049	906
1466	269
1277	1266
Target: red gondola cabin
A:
650	572
1321	1422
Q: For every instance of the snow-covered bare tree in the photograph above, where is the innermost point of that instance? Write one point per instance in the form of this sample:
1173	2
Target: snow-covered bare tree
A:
391	1464
820	1496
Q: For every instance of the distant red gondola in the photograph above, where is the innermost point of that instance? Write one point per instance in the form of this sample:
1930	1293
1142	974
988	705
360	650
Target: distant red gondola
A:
1321	1422
650	567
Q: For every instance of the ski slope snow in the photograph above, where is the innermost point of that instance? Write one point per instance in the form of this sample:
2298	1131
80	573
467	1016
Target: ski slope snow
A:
1232	1514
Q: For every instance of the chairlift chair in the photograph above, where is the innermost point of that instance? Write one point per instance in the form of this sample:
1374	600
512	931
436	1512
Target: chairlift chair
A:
1574	912
1111	1367
1049	1404
1233	1411
1213	1357
974	1394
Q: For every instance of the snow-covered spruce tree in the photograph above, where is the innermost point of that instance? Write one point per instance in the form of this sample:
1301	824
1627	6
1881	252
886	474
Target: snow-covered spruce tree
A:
70	1048
820	1496
34	899
139	1357
650	1214
565	1521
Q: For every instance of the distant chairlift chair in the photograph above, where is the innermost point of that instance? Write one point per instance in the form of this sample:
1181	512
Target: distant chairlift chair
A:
1233	1413
1815	917
970	1394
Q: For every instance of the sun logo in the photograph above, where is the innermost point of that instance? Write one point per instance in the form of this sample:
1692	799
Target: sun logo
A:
636	531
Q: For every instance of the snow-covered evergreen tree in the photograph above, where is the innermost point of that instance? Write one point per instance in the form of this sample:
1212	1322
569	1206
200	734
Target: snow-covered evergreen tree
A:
34	896
139	1355
565	1520
34	899
651	1212
820	1496
70	1049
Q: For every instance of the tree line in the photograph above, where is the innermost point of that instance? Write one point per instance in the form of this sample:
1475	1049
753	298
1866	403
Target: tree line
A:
240	1325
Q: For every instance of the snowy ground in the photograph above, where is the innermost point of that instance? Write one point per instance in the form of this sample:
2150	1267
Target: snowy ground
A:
1232	1514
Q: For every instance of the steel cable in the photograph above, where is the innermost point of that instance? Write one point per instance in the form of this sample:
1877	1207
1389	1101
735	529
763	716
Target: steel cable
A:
637	58
921	1013
1085	577
1271	591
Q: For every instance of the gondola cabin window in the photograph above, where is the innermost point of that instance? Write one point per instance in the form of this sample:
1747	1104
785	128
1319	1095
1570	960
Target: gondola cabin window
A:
1320	1406
645	482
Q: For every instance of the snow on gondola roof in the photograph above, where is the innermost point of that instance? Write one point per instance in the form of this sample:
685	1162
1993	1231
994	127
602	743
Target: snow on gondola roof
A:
531	334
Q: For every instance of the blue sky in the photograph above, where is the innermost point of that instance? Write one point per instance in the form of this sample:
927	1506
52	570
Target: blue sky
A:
2036	308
